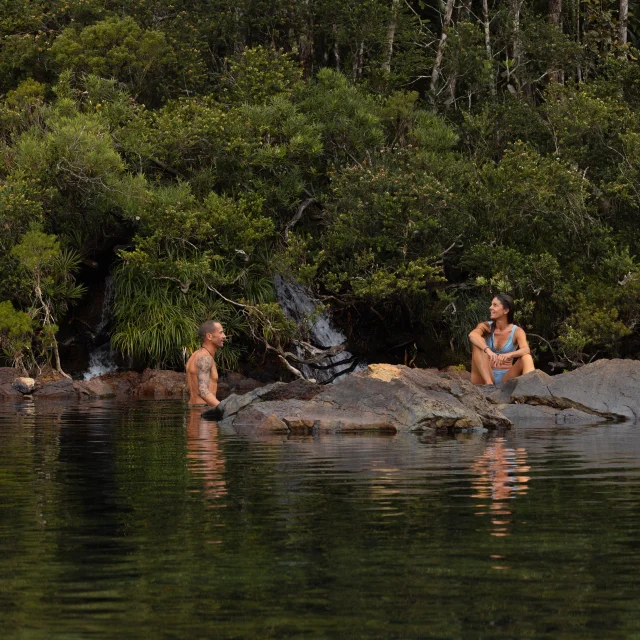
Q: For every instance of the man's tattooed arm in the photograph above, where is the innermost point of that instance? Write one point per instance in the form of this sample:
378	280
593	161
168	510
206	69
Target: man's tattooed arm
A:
203	365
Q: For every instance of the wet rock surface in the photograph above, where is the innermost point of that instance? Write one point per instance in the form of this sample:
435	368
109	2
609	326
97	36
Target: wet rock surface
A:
384	398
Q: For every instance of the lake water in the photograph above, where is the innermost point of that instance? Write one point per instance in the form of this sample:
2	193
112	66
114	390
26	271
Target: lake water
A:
140	520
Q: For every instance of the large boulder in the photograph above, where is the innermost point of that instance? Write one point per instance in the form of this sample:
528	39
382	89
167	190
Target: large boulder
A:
605	388
383	398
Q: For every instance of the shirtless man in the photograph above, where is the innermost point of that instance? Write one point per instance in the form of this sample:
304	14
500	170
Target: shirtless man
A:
202	375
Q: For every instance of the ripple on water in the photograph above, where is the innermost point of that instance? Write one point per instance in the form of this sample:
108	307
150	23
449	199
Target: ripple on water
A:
140	519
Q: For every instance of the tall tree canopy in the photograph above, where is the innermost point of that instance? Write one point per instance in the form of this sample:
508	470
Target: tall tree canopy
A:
404	159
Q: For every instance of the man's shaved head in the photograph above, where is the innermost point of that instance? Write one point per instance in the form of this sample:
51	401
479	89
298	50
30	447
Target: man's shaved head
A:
208	326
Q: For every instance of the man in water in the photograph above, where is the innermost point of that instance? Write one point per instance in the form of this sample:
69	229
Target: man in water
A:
202	375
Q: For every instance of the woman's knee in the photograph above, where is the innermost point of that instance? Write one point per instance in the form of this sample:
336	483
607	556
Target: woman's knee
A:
527	363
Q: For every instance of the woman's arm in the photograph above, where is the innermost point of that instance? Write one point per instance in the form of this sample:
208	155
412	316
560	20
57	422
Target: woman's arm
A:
478	339
520	339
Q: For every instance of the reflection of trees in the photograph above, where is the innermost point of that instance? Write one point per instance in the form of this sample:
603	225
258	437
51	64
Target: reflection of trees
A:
499	478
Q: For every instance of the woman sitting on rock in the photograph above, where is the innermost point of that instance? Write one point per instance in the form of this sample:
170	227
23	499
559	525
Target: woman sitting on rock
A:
499	348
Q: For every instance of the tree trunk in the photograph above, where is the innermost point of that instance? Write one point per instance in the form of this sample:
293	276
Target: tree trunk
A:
48	322
391	34
486	22
336	47
358	61
306	41
623	18
555	19
515	9
446	20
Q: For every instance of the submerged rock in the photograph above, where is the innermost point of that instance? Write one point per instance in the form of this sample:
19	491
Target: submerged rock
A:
383	398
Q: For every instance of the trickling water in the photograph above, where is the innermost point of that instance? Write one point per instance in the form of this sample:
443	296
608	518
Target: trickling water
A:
307	311
101	359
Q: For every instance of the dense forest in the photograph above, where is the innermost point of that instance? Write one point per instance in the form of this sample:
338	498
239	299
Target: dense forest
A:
404	159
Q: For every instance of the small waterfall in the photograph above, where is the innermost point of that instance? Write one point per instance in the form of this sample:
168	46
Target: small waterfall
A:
300	307
101	358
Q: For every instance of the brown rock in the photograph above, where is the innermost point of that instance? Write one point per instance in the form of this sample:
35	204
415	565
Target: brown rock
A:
158	383
123	383
273	424
8	375
7	392
94	388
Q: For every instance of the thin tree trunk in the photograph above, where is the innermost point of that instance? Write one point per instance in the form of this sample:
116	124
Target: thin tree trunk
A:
579	68
555	19
623	18
515	9
391	34
464	12
47	322
446	20
306	41
358	61
486	22
336	47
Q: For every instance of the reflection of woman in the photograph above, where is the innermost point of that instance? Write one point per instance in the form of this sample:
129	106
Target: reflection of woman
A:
499	348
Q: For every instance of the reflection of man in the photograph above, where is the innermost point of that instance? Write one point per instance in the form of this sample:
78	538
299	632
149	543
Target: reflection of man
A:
205	454
202	375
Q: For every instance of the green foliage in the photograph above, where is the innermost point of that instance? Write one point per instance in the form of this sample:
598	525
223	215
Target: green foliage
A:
50	273
116	48
200	150
259	74
16	331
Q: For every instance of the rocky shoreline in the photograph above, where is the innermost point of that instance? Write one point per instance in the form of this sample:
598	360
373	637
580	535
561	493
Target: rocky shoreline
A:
383	398
151	383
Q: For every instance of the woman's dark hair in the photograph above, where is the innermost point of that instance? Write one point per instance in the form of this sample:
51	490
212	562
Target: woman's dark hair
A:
507	302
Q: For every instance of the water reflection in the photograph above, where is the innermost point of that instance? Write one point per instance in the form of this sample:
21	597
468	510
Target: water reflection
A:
499	477
204	454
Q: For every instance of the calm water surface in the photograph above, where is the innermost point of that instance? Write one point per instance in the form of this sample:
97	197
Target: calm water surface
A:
140	520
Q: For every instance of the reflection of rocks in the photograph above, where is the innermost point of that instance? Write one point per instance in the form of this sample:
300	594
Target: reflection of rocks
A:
602	390
384	398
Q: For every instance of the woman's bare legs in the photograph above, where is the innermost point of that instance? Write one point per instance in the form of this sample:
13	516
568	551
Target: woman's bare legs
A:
480	367
523	366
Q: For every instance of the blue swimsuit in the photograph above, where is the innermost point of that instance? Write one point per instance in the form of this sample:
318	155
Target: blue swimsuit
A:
498	374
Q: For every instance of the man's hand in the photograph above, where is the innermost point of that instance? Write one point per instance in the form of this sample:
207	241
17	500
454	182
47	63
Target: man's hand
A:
216	413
